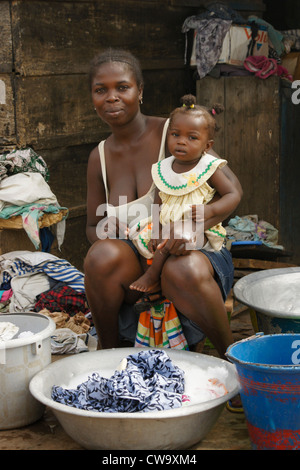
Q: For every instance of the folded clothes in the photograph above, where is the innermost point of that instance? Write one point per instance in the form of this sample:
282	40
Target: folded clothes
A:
263	67
25	289
65	341
6	295
20	161
62	298
293	35
77	323
149	382
31	215
25	188
21	263
249	227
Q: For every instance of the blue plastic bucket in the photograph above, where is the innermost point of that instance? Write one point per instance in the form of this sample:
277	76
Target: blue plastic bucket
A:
268	368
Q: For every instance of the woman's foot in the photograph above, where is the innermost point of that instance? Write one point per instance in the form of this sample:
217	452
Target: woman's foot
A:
235	405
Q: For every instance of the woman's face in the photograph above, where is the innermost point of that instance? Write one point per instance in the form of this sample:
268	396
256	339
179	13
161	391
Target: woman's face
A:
115	93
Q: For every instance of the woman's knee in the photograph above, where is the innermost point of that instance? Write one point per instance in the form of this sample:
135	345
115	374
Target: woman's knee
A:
102	257
109	259
187	272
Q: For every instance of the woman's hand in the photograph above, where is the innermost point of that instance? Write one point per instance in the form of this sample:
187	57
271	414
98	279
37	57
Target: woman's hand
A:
179	243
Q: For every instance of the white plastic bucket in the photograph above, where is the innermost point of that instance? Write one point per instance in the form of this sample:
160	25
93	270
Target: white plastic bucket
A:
20	360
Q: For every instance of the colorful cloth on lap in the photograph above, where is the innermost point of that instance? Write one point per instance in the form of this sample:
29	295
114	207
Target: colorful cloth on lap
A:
150	382
160	327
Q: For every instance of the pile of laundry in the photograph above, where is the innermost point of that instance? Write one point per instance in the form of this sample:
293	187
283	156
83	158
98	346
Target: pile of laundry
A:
41	282
25	192
264	67
145	381
210	29
251	228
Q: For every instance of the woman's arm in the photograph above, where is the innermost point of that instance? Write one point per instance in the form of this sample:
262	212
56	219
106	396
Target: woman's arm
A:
95	194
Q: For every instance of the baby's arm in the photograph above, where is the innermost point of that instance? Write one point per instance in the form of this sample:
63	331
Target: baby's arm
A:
156	225
222	206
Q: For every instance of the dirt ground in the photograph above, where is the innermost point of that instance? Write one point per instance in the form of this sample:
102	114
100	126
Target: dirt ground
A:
229	433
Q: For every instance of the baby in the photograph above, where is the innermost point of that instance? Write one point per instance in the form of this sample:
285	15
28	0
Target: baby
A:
185	183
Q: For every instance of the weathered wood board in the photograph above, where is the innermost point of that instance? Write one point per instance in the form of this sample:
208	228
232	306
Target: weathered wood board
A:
250	138
261	140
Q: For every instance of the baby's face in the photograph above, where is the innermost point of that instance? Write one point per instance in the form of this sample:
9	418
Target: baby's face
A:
188	137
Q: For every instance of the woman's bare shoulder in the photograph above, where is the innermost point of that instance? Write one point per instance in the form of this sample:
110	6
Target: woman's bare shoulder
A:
94	152
94	160
156	122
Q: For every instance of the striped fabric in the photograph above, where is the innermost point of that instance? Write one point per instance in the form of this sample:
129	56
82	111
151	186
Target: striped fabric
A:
160	327
60	270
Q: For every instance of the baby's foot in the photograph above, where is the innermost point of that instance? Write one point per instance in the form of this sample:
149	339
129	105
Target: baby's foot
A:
146	283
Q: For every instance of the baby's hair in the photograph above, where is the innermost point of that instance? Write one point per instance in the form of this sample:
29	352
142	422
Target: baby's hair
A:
189	105
117	55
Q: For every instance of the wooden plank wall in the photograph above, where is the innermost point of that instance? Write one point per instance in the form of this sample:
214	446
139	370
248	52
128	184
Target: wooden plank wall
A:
260	138
46	48
249	138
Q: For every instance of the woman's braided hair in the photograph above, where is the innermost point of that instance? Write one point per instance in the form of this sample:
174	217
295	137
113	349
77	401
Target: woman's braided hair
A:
117	55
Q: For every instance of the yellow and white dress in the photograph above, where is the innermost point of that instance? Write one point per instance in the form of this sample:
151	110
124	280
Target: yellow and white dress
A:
178	191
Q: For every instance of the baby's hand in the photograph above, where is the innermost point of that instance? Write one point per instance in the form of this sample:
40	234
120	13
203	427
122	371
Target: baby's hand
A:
198	213
201	213
153	244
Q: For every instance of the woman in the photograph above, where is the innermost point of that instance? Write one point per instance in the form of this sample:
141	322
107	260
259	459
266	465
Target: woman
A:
121	167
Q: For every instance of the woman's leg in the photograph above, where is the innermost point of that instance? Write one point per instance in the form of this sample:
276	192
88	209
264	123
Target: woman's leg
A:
110	267
188	281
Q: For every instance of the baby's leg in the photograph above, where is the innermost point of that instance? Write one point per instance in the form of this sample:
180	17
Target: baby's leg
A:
150	280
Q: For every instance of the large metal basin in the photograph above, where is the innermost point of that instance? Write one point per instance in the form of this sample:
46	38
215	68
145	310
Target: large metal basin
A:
170	429
273	296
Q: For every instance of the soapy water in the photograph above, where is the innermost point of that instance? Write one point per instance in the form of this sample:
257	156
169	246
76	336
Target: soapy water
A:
279	294
201	385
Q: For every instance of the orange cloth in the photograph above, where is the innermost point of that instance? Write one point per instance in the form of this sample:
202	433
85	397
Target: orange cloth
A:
160	327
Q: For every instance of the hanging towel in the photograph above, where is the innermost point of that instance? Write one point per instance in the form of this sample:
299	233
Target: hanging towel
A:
209	41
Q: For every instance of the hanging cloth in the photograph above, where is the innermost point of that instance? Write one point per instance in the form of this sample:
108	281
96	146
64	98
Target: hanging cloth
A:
160	327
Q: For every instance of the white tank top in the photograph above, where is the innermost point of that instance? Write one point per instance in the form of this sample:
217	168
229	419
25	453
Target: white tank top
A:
130	213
